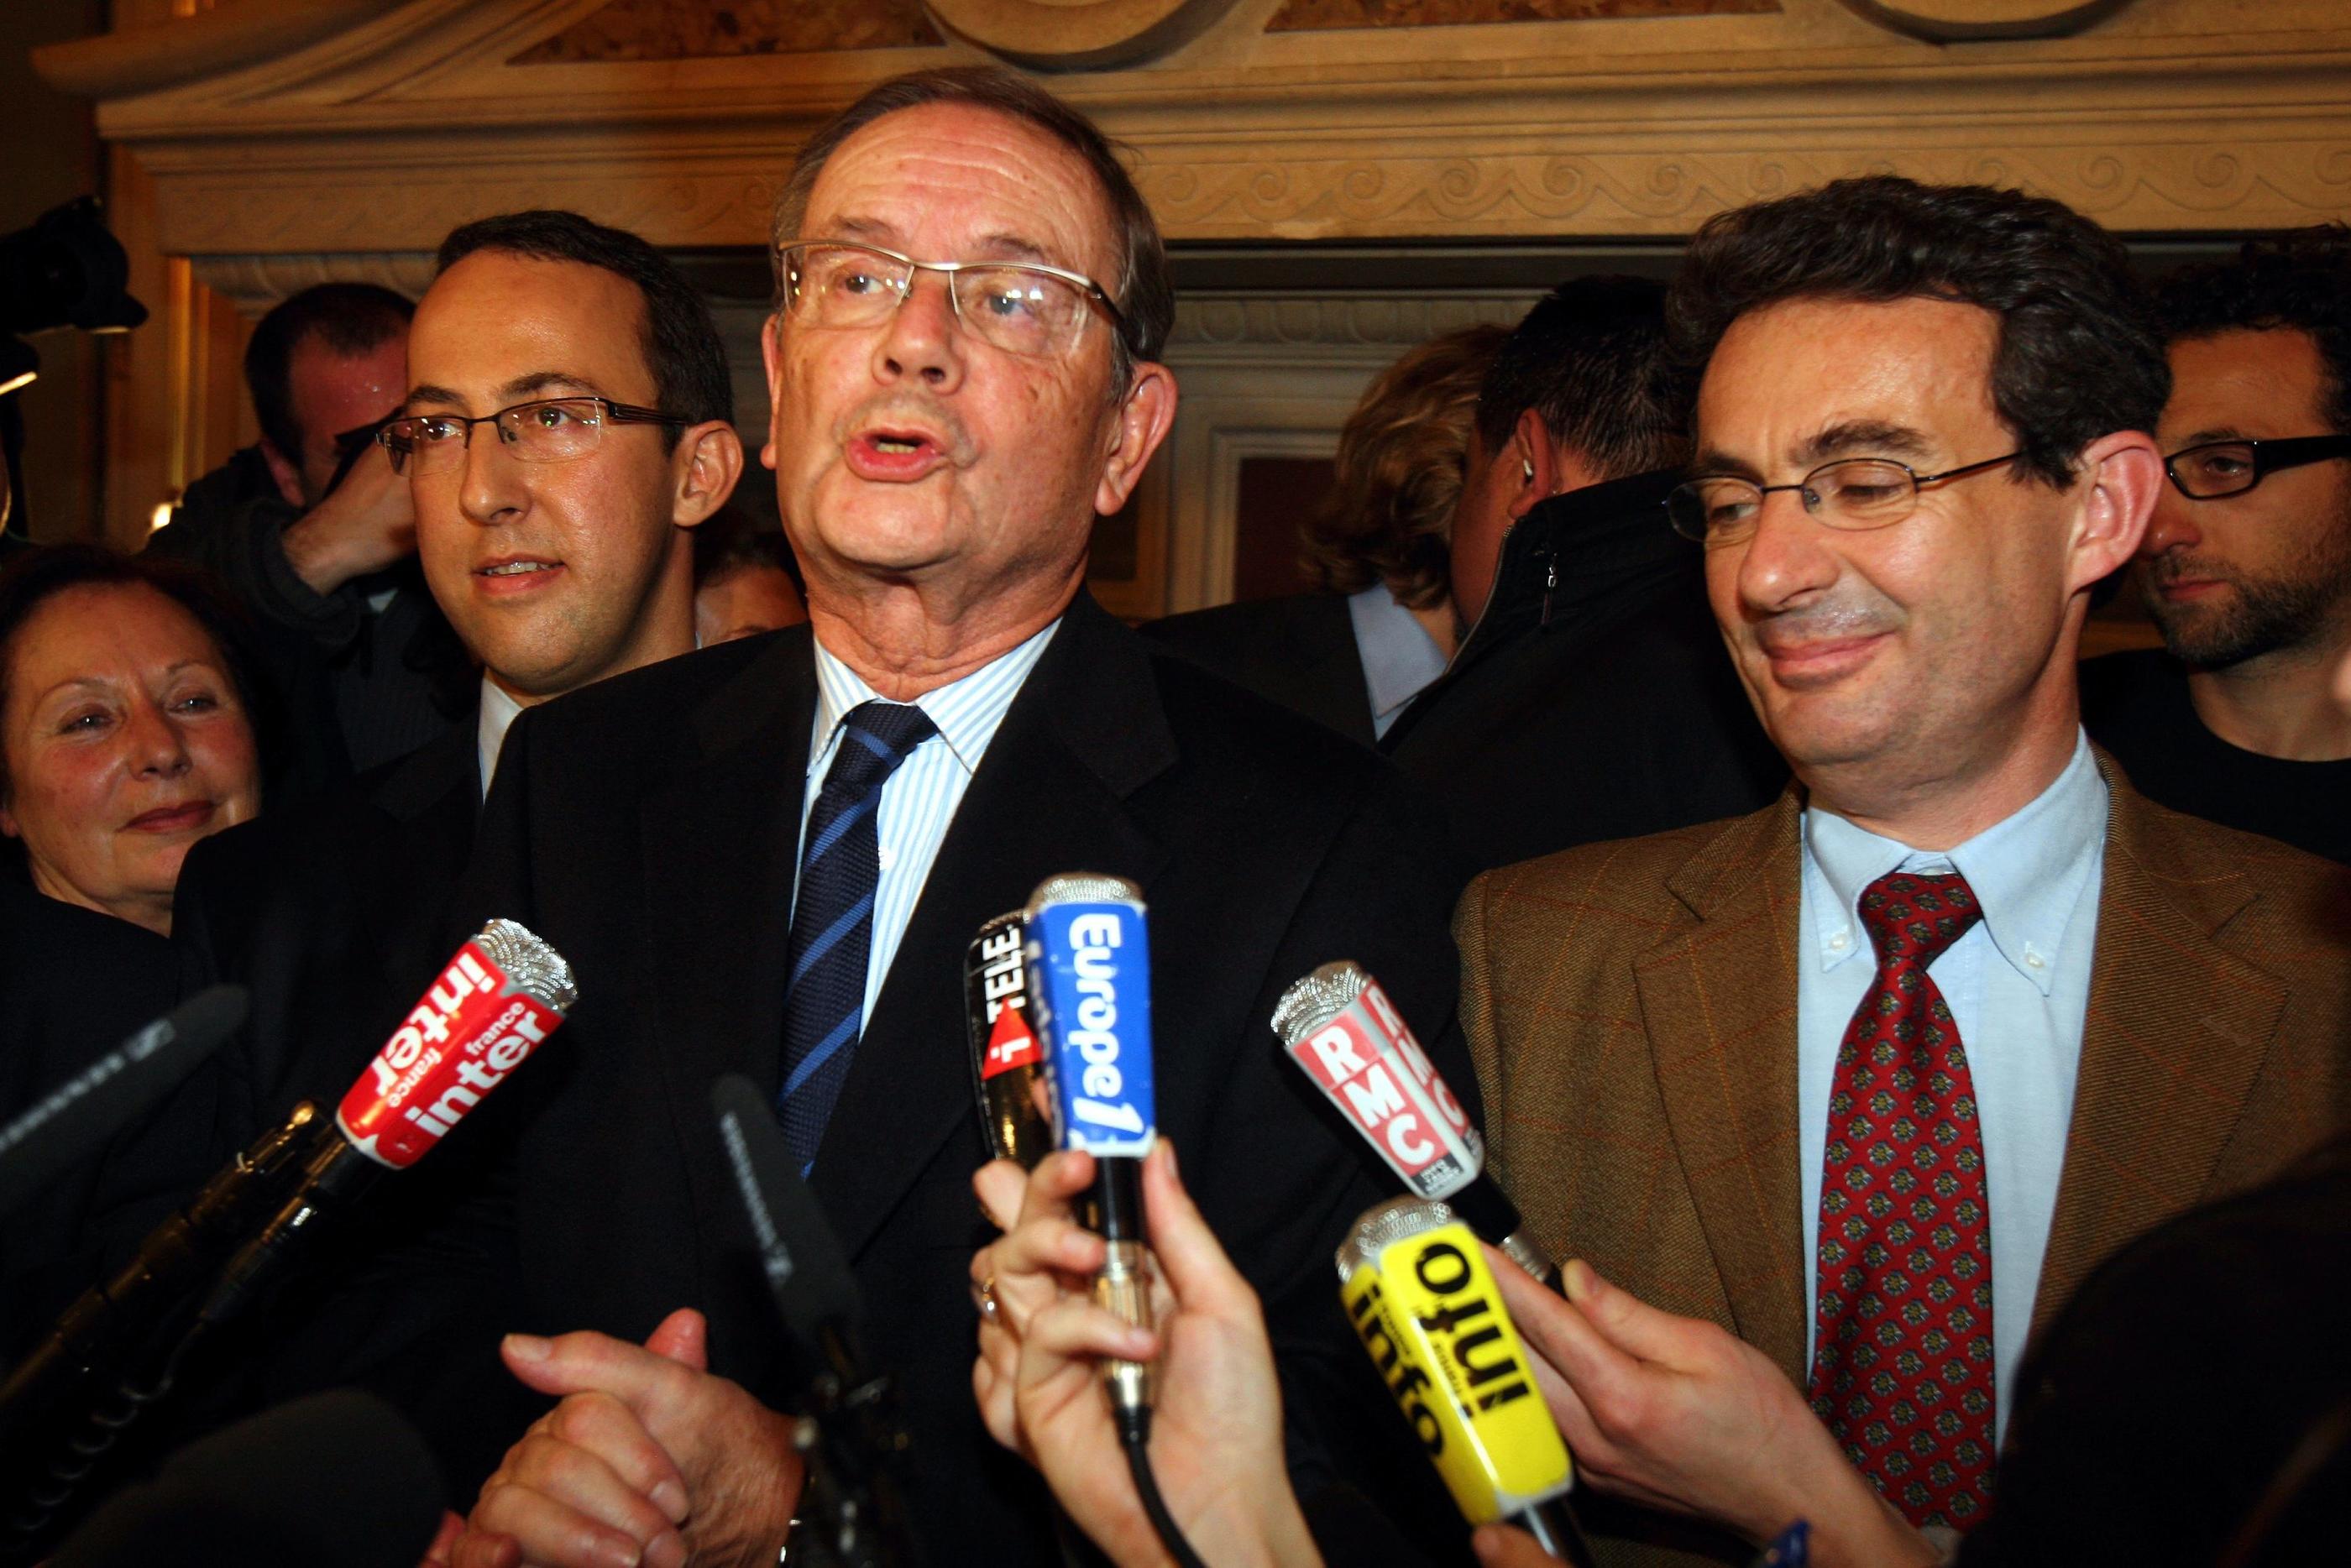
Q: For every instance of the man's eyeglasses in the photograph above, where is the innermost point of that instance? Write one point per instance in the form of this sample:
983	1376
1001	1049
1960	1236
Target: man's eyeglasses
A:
1854	493
551	430
1022	307
2210	469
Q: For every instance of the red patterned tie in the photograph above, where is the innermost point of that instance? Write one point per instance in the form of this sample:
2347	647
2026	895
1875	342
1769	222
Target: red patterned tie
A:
1902	1363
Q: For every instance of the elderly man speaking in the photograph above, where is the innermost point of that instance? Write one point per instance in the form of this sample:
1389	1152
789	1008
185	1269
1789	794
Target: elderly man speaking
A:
768	857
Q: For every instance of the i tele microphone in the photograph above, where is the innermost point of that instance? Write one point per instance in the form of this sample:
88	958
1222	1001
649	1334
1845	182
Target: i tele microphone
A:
496	1004
1341	1029
1421	1298
73	1121
1007	1062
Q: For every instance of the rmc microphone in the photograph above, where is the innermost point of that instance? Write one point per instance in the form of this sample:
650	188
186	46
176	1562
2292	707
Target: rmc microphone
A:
1421	1299
1007	1061
74	1120
1341	1029
497	1001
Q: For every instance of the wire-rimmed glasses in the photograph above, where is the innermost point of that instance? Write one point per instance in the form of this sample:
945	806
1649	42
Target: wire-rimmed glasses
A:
1022	307
547	429
1852	493
2211	470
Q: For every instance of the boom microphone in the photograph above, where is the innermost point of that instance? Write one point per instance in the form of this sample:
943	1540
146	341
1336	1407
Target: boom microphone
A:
1005	1059
74	1120
1341	1029
1418	1290
497	1001
852	1511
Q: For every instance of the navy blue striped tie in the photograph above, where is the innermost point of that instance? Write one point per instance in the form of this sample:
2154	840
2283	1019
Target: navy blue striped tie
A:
832	919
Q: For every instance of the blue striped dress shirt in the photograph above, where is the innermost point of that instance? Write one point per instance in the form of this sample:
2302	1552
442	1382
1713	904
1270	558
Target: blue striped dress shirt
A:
920	799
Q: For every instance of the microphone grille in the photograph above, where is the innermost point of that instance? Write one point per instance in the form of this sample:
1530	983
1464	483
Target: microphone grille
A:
1316	999
1083	887
529	964
1385	1224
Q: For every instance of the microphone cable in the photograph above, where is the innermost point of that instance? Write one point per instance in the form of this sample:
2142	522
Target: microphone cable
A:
1135	1437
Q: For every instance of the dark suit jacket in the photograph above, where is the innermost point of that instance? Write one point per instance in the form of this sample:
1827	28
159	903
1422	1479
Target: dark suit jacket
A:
1632	1009
1298	652
1593	700
648	826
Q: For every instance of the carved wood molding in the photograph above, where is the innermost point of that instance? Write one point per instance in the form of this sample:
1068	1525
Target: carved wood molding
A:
1079	35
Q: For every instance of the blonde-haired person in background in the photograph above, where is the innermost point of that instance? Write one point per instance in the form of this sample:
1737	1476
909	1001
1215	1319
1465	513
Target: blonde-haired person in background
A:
1383	623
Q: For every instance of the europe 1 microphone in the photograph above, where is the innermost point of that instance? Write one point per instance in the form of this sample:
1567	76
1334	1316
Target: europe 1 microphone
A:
1426	1306
1341	1030
1089	954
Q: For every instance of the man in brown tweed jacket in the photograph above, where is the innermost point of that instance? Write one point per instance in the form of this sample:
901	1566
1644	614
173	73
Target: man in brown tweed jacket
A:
1921	442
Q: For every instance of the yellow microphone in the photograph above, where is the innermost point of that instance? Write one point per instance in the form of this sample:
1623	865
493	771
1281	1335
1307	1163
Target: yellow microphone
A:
1421	1299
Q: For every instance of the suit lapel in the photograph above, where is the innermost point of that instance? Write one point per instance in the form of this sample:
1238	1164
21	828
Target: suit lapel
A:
435	794
1718	1002
2176	1031
719	837
1085	731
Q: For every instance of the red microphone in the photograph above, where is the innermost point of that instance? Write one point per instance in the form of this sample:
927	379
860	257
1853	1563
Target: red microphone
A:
495	1004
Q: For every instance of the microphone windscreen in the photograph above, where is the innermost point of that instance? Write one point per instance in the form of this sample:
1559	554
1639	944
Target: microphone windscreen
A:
338	1479
73	1121
806	1269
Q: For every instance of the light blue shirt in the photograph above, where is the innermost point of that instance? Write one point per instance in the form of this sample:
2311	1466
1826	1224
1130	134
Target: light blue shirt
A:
498	712
2019	986
1400	659
919	799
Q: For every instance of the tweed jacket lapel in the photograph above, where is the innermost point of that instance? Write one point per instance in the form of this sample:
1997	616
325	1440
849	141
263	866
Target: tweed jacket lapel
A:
1719	1006
2177	1030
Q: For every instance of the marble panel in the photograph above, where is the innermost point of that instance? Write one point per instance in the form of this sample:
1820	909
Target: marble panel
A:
693	30
1323	15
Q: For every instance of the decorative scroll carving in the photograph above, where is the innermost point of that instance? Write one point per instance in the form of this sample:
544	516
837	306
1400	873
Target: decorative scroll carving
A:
1318	16
1074	34
1955	21
691	29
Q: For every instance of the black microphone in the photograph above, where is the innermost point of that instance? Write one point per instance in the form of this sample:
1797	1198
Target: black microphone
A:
1007	1061
74	1120
337	1479
1341	1029
852	1512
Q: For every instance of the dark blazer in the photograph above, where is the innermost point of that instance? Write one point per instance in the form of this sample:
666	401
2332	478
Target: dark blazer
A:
1593	700
1298	652
1632	1007
648	827
334	915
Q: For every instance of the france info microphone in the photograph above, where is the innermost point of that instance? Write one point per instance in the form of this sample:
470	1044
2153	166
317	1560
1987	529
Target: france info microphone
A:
74	1120
1005	1059
497	1001
1341	1029
1421	1298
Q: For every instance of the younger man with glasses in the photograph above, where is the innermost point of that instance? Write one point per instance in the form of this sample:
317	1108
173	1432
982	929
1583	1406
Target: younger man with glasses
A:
2246	565
1871	1078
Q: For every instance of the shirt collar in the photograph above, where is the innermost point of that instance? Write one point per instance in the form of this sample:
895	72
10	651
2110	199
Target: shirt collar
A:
1399	657
968	711
2027	872
498	712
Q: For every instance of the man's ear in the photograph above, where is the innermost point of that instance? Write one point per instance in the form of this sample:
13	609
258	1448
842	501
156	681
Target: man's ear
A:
1535	460
2121	475
1144	418
709	460
771	357
285	472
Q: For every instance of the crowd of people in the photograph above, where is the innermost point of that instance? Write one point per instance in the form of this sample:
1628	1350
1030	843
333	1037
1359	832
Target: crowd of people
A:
1929	1052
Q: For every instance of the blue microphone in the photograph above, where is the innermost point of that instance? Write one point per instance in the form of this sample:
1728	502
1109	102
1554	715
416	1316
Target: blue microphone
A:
1089	954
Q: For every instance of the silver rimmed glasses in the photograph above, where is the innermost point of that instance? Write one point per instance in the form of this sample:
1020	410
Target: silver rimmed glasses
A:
1022	307
1854	493
550	429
